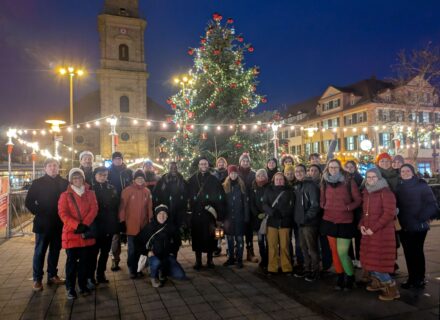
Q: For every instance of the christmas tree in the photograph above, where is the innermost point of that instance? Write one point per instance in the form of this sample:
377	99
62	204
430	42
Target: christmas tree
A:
212	110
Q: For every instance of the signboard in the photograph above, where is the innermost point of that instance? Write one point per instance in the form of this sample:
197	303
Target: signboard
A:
4	200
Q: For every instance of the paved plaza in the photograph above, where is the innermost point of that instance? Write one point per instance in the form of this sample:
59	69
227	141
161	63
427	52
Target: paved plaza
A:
222	293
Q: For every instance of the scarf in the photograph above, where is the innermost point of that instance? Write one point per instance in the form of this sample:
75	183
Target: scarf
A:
380	184
78	190
244	172
339	177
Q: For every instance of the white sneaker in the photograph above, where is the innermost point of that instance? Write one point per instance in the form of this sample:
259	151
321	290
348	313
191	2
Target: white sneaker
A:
155	283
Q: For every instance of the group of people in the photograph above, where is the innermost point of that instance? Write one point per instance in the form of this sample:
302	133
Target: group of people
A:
306	218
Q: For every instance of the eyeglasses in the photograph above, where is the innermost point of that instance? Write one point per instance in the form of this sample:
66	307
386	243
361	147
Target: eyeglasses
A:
372	177
333	167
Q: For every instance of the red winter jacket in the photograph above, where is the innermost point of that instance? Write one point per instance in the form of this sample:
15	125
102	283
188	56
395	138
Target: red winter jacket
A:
88	208
378	251
337	202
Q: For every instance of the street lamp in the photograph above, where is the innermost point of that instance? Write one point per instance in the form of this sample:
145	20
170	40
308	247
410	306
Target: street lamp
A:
71	72
275	127
55	127
113	121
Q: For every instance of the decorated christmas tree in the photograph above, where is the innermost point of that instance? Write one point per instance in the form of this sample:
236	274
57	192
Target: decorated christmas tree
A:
213	108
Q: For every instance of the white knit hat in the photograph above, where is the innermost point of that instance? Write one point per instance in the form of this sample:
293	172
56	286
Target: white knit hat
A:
244	155
85	153
76	171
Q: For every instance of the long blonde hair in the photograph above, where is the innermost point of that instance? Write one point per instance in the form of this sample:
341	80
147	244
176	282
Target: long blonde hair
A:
227	185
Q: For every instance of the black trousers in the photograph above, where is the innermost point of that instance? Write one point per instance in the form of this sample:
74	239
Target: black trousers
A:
412	243
101	248
77	264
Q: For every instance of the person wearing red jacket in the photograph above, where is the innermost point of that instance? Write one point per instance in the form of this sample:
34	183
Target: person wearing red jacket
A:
135	212
77	209
339	197
378	243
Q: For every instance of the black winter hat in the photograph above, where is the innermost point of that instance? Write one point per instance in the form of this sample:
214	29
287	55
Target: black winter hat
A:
160	208
117	154
139	173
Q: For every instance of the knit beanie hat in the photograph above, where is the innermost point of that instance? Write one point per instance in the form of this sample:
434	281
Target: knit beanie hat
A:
288	168
376	171
117	154
383	155
410	167
262	172
86	153
399	158
244	156
160	208
232	168
76	172
139	173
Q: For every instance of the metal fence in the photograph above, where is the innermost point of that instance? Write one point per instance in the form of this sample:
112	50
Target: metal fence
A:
20	219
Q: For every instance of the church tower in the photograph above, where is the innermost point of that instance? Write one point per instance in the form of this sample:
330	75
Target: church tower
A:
122	76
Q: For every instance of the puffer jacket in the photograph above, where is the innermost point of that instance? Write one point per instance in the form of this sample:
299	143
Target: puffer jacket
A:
280	215
307	209
88	209
162	239
378	251
337	202
416	203
256	198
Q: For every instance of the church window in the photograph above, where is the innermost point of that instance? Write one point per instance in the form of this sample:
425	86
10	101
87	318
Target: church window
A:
123	52
124	104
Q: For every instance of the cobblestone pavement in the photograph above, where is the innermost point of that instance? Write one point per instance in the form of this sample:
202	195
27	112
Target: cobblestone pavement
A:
222	293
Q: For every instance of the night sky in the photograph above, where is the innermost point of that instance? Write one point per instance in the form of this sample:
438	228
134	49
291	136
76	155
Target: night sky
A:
301	46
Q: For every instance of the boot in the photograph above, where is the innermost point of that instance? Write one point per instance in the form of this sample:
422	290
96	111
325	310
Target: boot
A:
198	264
390	292
340	282
115	266
375	285
350	283
251	256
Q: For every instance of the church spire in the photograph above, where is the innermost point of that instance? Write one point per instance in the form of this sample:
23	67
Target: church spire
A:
125	8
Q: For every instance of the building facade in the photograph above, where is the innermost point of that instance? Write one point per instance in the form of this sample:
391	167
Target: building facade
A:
399	119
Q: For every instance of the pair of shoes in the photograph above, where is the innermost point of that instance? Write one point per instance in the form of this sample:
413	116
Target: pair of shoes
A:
240	264
56	280
71	294
85	292
299	273
133	275
250	256
312	276
102	279
197	266
115	266
140	275
229	262
210	265
390	292
91	284
162	276
375	285
38	286
350	283
409	284
155	283
340	282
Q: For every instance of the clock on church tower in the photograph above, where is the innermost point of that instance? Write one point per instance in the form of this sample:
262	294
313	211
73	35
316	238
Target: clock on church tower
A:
123	75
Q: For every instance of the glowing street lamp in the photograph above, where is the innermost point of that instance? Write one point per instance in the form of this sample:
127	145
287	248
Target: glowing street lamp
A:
113	121
55	127
71	72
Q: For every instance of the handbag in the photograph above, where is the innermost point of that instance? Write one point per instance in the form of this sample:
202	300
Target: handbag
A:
89	234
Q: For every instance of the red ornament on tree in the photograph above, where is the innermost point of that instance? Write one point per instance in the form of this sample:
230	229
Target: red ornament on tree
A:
188	127
187	101
190	114
256	71
244	101
169	101
230	21
263	100
202	48
233	85
169	119
240	39
203	41
216	52
190	52
238	62
212	105
173	106
251	49
217	17
238	145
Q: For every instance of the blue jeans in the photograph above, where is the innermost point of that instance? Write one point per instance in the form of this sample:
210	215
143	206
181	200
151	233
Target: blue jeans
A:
133	254
262	245
42	242
382	276
231	247
169	266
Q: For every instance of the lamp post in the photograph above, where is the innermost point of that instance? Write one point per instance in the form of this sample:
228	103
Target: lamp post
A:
275	126
55	127
113	121
71	72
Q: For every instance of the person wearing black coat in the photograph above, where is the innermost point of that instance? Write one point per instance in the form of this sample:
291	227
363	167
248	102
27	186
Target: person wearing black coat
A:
278	205
417	207
159	241
221	173
120	177
106	222
271	167
42	201
236	216
207	201
307	217
256	207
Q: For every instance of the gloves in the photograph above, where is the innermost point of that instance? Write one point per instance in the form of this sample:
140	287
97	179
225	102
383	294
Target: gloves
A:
122	227
81	228
261	216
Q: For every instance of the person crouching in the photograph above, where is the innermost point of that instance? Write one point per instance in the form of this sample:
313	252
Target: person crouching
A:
160	242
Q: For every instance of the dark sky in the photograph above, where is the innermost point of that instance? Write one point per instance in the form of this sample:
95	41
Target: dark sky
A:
301	46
